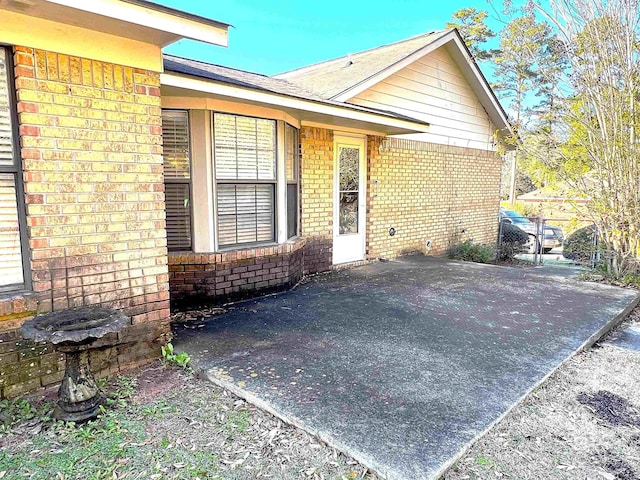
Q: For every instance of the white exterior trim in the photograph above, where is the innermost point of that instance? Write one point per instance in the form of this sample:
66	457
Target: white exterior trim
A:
322	110
157	19
396	67
350	247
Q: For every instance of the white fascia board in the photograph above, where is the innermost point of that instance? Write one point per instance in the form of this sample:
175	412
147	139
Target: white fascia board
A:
482	87
146	16
232	91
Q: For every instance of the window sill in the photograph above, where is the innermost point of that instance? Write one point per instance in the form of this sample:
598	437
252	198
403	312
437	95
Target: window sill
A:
17	293
254	251
16	307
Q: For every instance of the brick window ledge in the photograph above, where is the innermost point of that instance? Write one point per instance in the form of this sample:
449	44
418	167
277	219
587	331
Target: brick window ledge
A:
17	307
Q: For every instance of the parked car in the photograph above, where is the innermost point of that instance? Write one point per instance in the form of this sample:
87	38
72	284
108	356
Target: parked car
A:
539	239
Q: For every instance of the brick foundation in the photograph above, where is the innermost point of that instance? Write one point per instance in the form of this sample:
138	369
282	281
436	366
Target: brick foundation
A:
218	278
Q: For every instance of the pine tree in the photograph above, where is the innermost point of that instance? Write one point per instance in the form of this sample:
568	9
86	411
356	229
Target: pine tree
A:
471	24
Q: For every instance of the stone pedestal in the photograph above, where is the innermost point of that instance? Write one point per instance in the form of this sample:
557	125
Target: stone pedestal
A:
74	332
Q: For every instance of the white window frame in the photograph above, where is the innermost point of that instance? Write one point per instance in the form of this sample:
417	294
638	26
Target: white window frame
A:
275	182
16	170
183	181
287	183
204	190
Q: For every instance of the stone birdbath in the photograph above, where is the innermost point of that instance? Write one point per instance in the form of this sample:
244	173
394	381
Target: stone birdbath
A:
74	333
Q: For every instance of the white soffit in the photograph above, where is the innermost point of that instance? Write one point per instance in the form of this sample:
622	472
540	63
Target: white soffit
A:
134	19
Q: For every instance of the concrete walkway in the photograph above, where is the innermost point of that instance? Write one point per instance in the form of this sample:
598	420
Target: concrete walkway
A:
403	364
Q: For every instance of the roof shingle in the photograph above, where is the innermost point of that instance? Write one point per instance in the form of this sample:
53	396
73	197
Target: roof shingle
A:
330	78
256	81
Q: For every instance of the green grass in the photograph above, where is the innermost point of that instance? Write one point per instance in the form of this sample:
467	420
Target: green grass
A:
187	431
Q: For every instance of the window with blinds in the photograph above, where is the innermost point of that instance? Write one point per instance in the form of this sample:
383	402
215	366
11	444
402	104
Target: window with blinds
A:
12	220
244	150
291	167
177	178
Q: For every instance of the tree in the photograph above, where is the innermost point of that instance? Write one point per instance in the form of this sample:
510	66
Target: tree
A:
471	24
597	151
521	43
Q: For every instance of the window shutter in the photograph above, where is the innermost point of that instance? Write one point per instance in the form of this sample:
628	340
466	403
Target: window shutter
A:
245	213
10	246
177	200
175	143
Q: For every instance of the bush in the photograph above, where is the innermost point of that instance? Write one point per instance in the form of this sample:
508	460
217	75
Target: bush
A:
512	241
471	252
579	245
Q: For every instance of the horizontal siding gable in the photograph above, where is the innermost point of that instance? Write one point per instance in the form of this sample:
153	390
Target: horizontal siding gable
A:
433	89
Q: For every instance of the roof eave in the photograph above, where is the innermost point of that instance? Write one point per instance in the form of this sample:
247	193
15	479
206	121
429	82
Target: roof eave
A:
305	109
166	25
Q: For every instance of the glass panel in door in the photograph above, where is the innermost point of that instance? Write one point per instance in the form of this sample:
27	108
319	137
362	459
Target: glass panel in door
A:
349	181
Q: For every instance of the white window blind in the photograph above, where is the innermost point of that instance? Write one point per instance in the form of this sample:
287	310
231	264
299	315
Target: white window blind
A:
12	275
6	133
10	246
177	204
245	213
245	164
291	167
244	147
177	178
175	143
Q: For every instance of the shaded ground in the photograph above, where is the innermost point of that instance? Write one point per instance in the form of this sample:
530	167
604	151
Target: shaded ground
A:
164	424
402	364
582	423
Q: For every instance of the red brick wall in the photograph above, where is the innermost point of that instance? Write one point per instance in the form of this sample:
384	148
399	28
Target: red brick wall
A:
316	186
437	192
223	277
90	134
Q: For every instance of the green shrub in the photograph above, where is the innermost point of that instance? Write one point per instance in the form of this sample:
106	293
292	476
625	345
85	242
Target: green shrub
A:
471	252
579	245
181	359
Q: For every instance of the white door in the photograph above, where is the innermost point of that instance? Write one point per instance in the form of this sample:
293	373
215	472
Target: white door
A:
349	199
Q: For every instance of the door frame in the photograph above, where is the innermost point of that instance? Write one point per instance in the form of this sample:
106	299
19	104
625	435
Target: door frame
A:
360	141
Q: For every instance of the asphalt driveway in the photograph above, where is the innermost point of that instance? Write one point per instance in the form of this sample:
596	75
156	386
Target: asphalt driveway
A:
403	364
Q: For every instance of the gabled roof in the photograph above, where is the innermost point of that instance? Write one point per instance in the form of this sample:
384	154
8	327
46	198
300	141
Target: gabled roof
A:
343	78
264	83
332	77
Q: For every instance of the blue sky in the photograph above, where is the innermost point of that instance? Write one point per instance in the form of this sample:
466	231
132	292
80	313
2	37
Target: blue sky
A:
271	36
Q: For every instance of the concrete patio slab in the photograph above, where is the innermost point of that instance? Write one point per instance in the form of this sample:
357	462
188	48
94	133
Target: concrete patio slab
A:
403	364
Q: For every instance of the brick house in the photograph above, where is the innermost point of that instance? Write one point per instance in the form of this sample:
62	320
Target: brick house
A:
129	179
